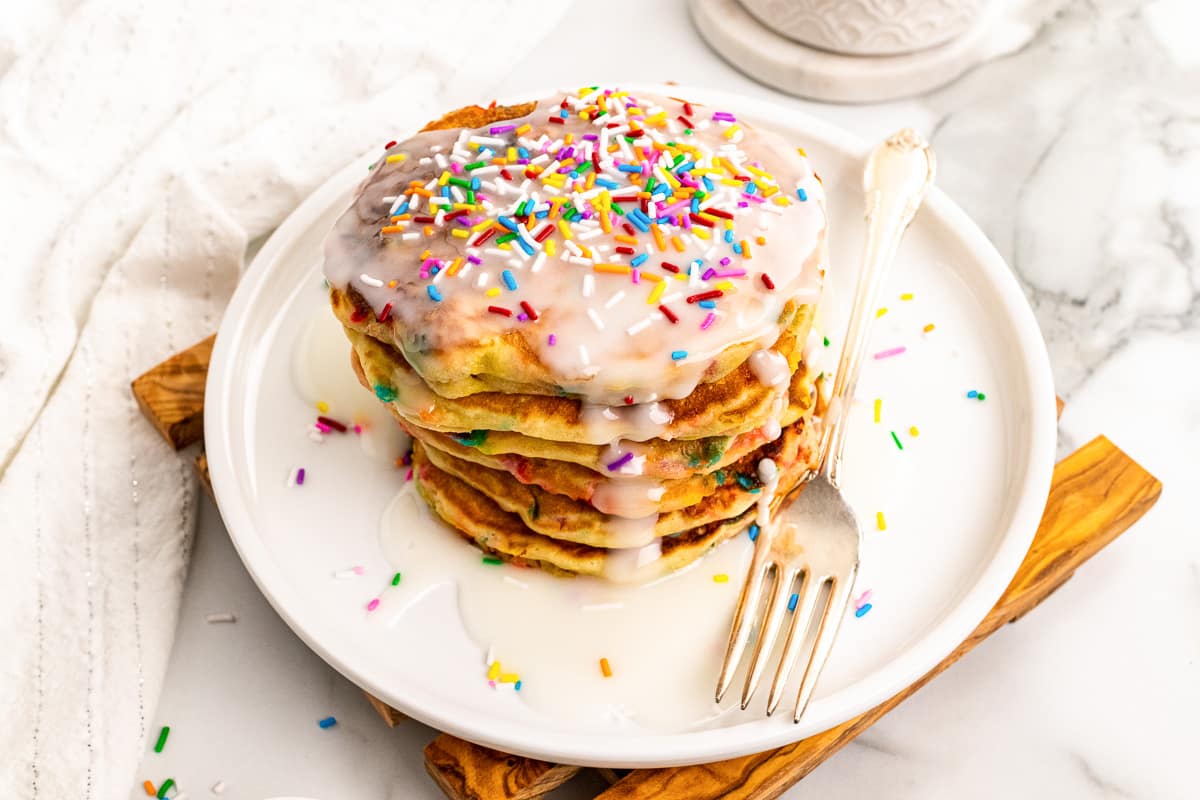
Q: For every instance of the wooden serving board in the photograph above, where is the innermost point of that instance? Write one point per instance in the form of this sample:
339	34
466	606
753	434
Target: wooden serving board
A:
1096	494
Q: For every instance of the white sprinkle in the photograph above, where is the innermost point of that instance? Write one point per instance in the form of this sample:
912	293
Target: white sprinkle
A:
224	616
369	281
538	262
488	170
616	298
491	655
488	140
408	237
592	234
574	248
218	787
583	355
638	327
589	284
424	161
482	280
515	582
671	298
441	161
352	572
315	435
595	318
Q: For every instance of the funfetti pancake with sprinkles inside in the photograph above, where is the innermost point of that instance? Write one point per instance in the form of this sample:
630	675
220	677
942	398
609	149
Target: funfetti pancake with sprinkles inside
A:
593	313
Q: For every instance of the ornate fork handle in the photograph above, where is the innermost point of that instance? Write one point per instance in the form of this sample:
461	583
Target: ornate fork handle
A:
895	180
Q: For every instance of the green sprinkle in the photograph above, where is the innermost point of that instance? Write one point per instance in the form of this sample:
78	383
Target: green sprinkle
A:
826	341
385	393
162	739
396	579
166	785
472	439
462	183
982	396
508	237
896	439
475	165
492	560
720	475
471	196
687	131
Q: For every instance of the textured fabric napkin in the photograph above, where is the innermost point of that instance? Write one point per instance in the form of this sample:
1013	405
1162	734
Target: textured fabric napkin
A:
142	148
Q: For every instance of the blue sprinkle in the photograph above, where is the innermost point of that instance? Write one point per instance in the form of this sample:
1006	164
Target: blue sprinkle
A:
728	235
542	214
803	195
638	260
517	686
753	532
522	152
400	209
508	278
709	304
526	246
861	610
744	482
695	207
328	722
562	112
685	167
475	184
434	294
508	223
607	184
630	168
751	187
972	394
677	355
446	191
639	220
795	598
737	248
708	184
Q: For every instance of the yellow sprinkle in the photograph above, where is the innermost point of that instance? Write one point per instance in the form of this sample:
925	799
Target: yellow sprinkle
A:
800	150
454	267
612	269
656	293
769	190
524	129
703	234
509	677
724	286
565	229
720	577
880	522
550	247
586	252
323	407
781	200
493	670
731	131
878	408
492	292
511	155
460	233
396	158
913	432
444	178
731	182
880	312
605	668
505	246
928	328
906	296
484	224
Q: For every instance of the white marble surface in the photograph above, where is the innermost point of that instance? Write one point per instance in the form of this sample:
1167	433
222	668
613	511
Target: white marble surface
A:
1079	154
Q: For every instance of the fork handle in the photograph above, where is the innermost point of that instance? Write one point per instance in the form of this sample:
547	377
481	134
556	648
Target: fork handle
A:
898	173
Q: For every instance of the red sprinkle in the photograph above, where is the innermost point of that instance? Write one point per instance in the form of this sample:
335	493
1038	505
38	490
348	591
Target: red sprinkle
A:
333	423
390	145
483	237
501	310
699	220
632	231
709	295
544	233
529	310
462	212
767	282
628	399
687	123
504	173
669	267
386	313
669	314
716	212
558	120
423	218
687	108
626	250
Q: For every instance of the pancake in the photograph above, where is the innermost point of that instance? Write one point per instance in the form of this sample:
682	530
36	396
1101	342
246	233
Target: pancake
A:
737	402
478	518
693	502
440	217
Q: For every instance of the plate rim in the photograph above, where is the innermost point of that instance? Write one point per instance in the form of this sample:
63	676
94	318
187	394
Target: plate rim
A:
657	749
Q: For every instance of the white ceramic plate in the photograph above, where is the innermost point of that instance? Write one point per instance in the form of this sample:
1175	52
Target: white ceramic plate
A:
962	500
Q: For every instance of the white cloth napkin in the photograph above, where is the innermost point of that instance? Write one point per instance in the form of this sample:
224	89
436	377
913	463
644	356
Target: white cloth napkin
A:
142	146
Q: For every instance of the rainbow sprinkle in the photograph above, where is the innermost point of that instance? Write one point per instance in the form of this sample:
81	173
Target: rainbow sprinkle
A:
894	351
605	668
896	439
326	723
162	739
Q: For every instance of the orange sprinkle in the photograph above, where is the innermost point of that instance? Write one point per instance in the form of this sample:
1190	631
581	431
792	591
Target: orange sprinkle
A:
429	230
658	238
677	243
746	250
928	327
612	269
760	240
391	229
605	670
149	787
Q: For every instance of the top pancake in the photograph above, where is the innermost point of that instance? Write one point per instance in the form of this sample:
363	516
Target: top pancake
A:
596	245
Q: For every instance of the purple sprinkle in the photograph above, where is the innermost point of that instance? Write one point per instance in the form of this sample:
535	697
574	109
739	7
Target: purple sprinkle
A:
620	462
322	427
708	273
708	321
475	259
635	275
300	477
523	317
724	116
591	137
731	273
725	261
501	129
552	340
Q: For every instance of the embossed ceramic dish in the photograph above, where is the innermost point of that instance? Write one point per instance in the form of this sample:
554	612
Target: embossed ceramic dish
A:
956	483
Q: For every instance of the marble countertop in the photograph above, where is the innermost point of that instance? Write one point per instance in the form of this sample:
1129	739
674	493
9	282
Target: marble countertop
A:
1079	154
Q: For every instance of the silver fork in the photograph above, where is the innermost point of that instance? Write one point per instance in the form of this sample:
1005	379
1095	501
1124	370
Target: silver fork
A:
816	539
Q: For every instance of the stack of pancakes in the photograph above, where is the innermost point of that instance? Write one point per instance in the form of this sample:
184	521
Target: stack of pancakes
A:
546	429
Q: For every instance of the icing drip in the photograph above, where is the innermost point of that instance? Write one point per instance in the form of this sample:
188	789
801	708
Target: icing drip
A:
770	367
627	532
630	564
628	497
